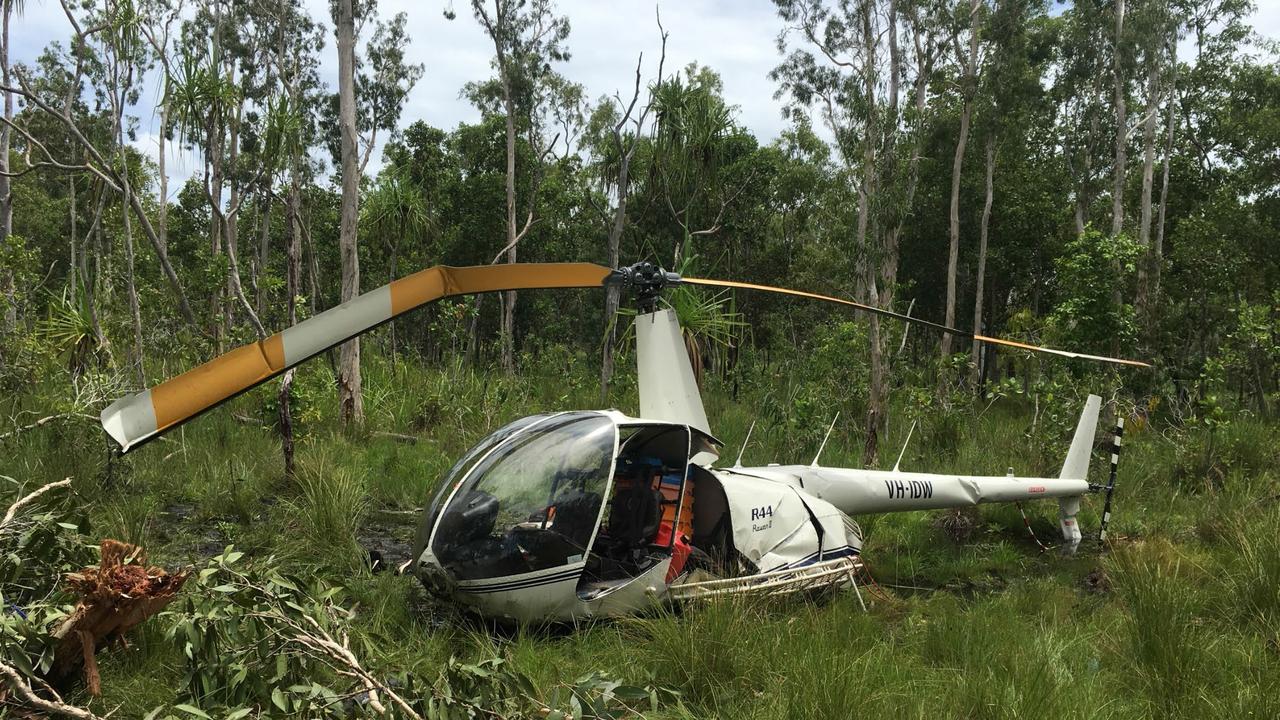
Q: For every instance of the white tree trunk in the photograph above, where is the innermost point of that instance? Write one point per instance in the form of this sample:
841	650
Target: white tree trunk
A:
975	372
508	328
350	401
1148	182
10	319
1117	188
957	166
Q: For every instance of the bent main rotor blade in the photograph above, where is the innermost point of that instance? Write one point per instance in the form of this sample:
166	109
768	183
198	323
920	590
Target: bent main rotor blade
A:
907	318
134	419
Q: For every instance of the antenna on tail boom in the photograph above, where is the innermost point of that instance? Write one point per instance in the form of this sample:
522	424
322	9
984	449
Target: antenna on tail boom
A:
738	463
823	446
907	442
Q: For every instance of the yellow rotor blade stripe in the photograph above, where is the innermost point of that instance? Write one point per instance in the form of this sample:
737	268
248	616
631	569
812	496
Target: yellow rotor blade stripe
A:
135	418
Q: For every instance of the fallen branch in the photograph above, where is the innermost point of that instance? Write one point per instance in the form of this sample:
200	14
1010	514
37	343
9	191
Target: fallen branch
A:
395	436
43	421
13	509
55	706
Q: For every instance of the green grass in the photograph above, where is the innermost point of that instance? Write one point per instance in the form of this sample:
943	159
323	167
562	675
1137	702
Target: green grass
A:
1185	621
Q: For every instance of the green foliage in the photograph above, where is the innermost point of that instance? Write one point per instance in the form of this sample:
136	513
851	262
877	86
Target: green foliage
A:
1091	270
38	547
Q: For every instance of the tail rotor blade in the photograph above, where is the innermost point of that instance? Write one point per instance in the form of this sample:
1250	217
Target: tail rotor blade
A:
135	419
907	318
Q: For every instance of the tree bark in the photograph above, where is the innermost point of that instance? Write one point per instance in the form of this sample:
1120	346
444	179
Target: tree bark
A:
878	385
957	166
1157	249
135	312
508	327
10	319
350	401
1143	298
162	229
73	267
612	295
975	372
1084	194
264	252
213	158
1117	187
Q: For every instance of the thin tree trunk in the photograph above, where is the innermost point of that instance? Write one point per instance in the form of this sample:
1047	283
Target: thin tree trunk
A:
975	372
350	401
213	157
877	399
1118	178
509	297
73	268
264	252
612	295
10	320
162	229
135	312
1148	181
957	165
90	280
1084	195
1157	249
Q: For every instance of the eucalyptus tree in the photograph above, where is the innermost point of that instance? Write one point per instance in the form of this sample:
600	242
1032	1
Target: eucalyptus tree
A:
1121	50
10	317
1157	29
1078	88
91	154
972	19
158	19
350	399
290	42
527	37
372	87
846	64
205	100
124	60
1017	57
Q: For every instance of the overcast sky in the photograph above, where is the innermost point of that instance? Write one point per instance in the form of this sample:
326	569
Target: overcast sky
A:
734	37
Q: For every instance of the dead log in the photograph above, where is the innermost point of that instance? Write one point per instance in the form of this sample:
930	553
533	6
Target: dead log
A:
116	595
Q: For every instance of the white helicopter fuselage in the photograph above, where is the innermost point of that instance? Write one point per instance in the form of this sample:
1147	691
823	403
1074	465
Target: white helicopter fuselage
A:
585	514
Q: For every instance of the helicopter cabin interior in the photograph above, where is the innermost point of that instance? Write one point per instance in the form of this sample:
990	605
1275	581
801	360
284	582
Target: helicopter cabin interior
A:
661	505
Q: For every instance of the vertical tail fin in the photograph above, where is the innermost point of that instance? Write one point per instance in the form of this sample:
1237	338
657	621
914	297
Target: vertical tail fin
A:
1076	466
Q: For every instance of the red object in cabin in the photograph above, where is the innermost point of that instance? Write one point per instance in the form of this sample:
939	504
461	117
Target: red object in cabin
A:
679	551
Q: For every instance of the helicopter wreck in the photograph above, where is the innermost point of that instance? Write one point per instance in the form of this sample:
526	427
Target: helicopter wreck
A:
578	514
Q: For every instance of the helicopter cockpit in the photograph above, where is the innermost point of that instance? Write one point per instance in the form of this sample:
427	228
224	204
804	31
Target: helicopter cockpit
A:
555	515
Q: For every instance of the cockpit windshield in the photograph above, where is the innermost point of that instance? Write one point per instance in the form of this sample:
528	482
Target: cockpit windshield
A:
530	504
460	469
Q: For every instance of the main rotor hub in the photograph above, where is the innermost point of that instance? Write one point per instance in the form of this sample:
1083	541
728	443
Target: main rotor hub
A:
645	279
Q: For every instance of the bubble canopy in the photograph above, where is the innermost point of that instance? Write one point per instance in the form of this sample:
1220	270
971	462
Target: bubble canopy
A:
527	498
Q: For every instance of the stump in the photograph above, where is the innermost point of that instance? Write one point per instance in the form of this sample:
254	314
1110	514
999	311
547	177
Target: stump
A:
117	594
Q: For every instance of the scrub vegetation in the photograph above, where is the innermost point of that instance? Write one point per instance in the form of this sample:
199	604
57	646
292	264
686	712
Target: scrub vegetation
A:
1179	616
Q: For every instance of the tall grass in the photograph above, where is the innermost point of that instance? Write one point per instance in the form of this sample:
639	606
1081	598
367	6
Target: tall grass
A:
978	627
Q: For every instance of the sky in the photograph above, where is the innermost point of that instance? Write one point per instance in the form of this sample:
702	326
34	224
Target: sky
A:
736	38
